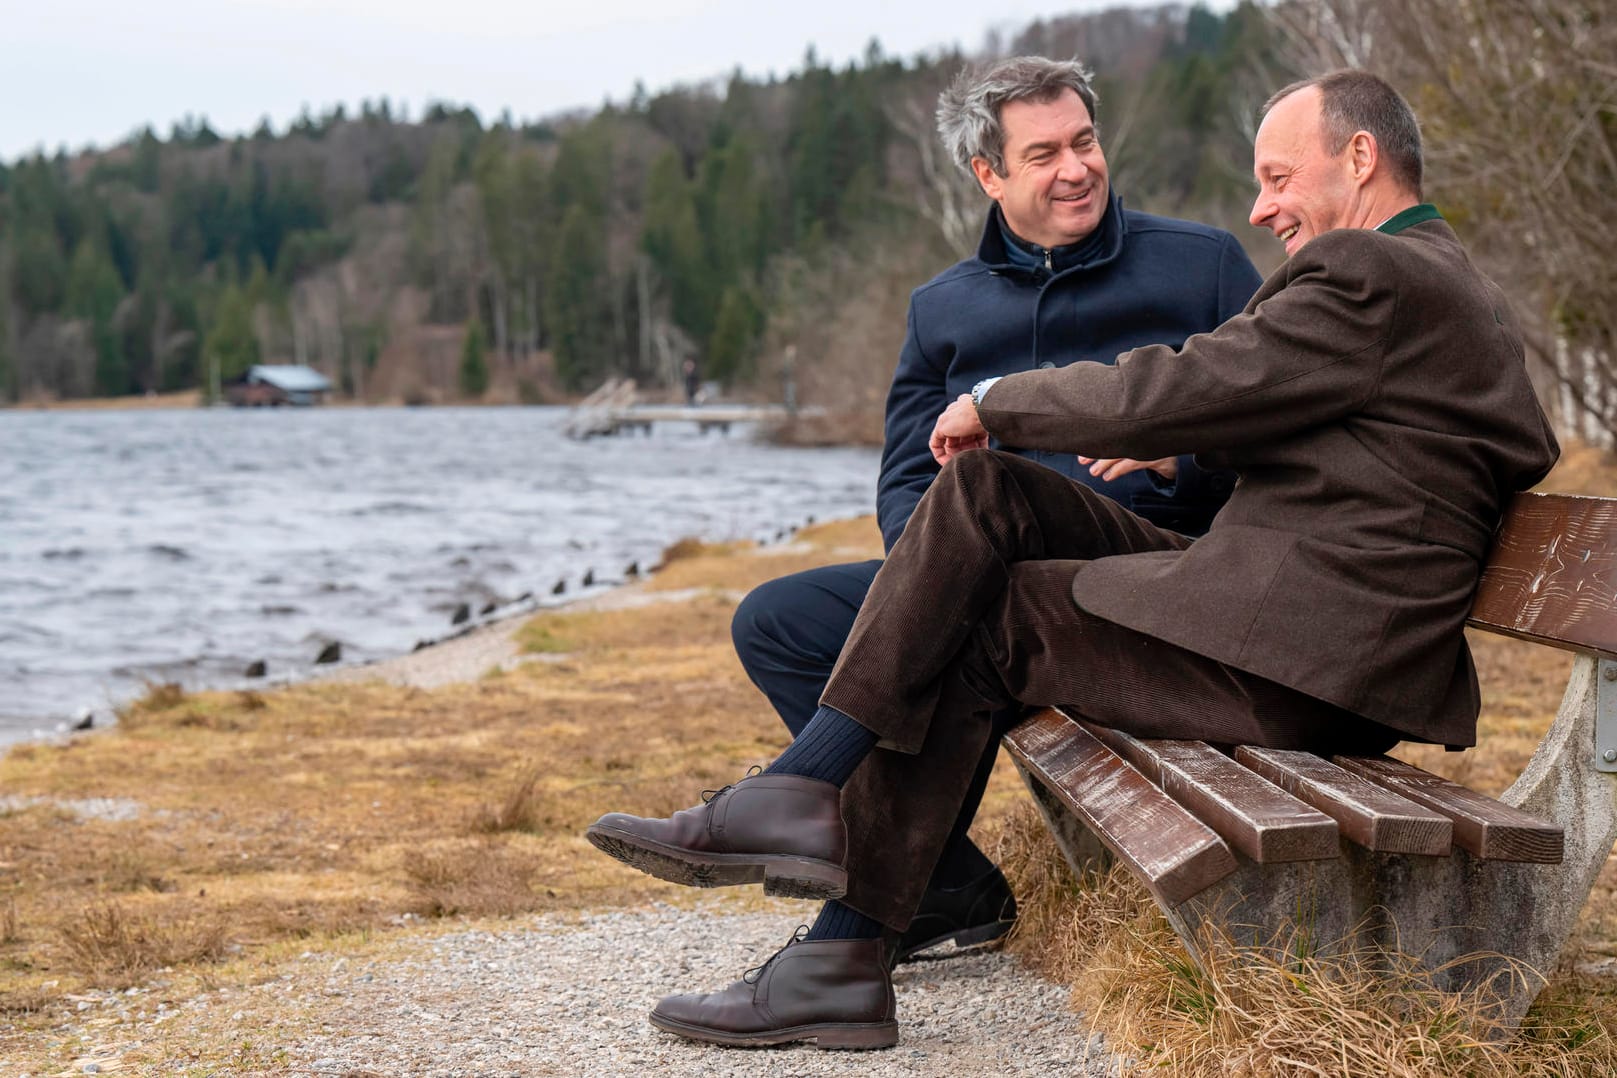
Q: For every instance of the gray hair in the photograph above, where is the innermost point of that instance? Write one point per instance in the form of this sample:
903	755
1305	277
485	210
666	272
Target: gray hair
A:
1353	101
968	111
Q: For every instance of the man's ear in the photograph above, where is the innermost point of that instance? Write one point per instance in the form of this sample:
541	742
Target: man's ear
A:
992	183
1364	156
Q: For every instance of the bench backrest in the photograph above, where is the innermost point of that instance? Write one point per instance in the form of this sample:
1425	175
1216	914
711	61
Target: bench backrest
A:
1551	576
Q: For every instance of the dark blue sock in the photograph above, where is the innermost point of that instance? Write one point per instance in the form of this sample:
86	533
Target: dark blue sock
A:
839	922
830	747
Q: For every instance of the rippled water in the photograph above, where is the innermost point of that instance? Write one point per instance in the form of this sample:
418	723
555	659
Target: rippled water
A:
183	545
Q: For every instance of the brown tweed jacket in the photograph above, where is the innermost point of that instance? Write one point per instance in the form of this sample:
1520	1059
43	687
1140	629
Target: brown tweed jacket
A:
1374	400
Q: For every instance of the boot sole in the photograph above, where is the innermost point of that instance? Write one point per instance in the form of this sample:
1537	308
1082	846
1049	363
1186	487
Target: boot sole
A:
825	1035
781	875
972	939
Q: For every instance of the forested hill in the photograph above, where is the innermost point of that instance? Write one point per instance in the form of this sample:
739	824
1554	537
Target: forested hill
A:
448	257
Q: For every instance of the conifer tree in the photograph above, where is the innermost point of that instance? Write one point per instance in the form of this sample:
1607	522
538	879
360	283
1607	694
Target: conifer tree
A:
473	362
578	300
672	236
230	341
94	291
735	334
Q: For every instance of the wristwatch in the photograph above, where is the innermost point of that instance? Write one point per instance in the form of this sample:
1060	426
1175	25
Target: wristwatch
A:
979	389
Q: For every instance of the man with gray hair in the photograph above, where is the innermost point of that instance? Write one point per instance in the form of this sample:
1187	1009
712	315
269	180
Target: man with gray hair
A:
1062	273
1373	399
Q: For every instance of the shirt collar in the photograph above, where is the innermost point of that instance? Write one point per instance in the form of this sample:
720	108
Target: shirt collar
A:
1414	215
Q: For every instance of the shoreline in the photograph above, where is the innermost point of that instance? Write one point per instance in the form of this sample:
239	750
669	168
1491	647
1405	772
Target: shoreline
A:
265	549
224	840
464	654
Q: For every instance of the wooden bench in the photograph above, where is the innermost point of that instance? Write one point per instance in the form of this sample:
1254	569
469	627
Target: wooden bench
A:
1290	850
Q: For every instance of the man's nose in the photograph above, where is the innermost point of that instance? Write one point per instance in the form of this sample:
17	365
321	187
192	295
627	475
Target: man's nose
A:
1263	208
1072	167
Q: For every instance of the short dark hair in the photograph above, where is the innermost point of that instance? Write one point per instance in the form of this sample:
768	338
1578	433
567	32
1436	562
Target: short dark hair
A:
968	111
1352	101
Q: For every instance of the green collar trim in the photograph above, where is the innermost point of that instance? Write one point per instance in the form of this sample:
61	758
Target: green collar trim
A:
1412	216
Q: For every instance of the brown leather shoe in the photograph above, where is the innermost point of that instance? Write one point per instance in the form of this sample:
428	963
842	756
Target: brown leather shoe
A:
785	830
836	993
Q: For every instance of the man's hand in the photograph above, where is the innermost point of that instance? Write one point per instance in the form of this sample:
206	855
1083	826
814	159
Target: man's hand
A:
957	430
1110	468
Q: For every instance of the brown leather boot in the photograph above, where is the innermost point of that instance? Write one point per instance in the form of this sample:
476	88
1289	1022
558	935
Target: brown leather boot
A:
836	993
785	830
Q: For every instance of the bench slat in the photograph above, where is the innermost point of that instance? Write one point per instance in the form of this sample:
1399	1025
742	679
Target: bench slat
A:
1371	815
1253	815
1551	576
1173	853
1489	829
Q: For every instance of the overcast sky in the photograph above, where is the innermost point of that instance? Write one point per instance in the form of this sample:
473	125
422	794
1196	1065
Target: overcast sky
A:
78	72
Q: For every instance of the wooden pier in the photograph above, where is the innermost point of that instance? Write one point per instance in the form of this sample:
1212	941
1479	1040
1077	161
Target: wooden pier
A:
615	408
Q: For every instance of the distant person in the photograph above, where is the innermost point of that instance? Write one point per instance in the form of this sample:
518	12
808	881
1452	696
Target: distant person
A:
1062	273
693	382
1373	399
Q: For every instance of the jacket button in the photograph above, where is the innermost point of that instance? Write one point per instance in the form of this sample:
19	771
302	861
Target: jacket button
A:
1046	365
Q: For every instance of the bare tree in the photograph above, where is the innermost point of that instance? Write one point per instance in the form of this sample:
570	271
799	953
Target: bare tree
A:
944	193
1518	101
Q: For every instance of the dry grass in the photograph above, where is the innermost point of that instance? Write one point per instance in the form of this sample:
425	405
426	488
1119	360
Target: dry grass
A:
1279	1013
117	947
521	810
184	398
485	878
310	815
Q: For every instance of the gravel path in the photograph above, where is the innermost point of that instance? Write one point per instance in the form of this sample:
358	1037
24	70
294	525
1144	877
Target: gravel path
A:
569	996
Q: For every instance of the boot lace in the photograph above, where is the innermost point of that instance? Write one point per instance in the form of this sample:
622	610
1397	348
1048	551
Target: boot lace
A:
708	795
752	975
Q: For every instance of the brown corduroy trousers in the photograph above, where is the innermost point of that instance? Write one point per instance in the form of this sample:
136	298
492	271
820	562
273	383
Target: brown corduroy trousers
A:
973	612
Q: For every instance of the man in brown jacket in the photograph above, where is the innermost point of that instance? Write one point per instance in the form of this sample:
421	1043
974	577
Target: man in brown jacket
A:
1373	400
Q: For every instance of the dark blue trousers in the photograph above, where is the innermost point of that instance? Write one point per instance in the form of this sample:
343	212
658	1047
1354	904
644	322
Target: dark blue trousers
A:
788	634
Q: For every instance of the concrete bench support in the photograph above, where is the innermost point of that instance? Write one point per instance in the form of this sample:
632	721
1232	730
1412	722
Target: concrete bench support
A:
1509	919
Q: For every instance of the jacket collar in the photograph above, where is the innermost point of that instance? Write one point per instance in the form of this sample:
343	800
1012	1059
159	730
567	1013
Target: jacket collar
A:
1103	245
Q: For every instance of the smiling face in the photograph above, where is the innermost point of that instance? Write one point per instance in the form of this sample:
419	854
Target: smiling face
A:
1054	189
1303	189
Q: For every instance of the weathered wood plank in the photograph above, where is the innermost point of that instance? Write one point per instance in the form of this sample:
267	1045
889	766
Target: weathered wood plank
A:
1371	815
1489	829
1551	575
1175	855
1253	815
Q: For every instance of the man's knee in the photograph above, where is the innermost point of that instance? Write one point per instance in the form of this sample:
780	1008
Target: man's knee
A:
978	464
756	629
800	620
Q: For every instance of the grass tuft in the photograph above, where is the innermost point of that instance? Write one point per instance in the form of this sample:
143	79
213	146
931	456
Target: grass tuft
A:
134	868
520	811
475	880
1284	1011
542	636
162	696
117	948
683	550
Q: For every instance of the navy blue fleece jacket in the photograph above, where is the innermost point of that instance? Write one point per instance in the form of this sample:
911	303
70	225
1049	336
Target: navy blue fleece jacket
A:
1138	279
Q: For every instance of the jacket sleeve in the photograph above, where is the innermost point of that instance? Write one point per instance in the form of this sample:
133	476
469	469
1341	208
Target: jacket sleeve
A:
1238	279
919	395
1203	491
1308	353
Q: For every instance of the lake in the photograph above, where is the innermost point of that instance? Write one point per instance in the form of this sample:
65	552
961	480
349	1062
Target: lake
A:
153	546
